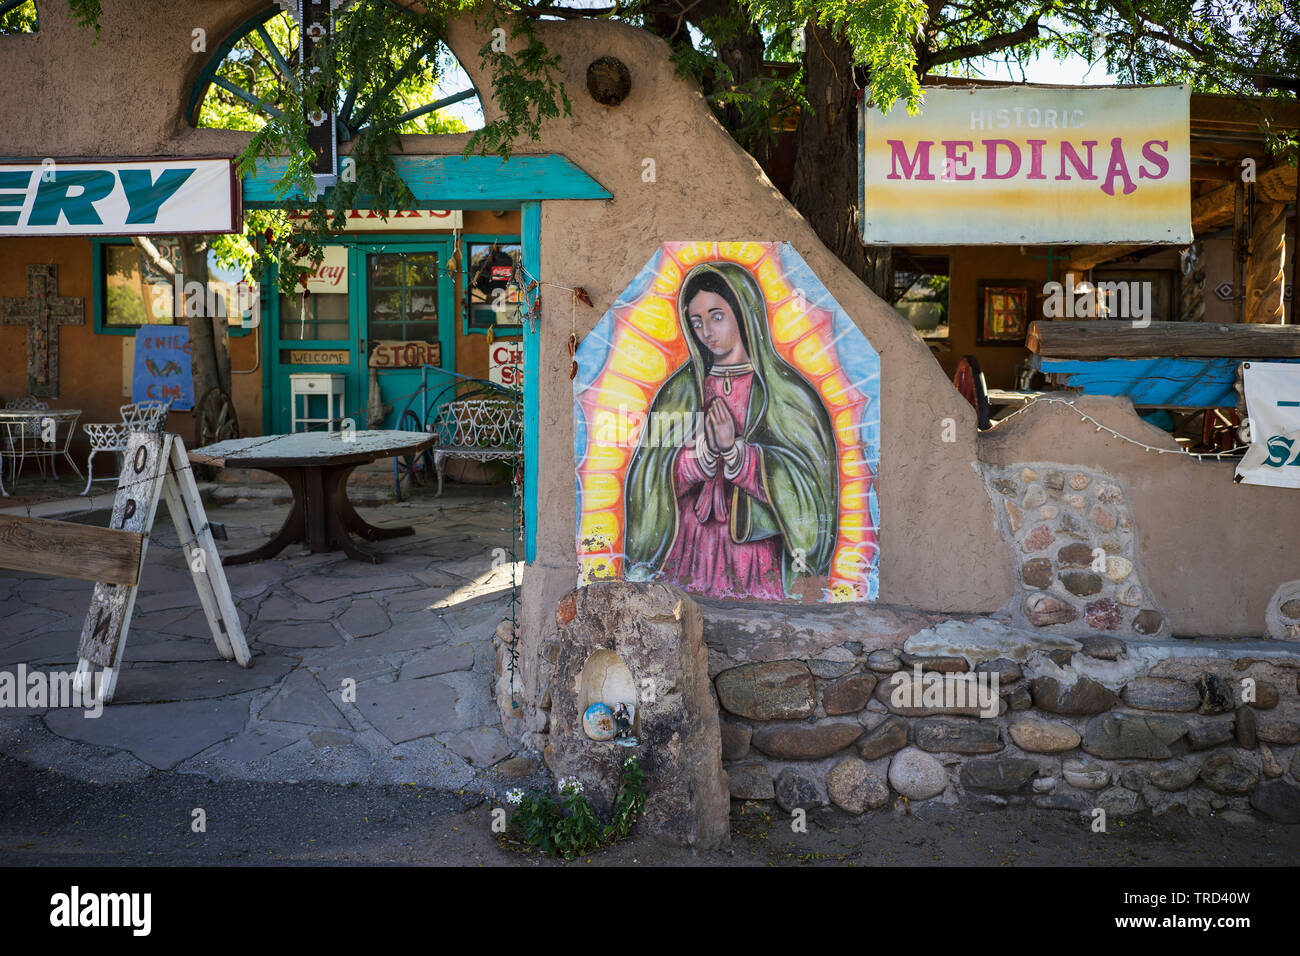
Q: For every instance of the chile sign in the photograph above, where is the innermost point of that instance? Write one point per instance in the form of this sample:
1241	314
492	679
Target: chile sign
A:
1028	165
163	369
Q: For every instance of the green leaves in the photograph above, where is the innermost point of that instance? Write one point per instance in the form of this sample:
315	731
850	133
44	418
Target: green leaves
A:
524	87
571	827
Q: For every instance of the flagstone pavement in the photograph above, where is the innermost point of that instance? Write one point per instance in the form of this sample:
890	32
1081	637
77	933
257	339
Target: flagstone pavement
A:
415	633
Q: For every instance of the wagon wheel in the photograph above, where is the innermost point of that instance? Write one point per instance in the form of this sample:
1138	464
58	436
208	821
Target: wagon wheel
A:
416	466
214	420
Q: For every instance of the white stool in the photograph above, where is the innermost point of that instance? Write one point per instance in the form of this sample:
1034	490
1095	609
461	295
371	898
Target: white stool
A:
308	384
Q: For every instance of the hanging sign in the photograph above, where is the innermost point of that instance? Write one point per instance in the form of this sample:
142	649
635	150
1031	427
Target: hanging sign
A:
163	369
1029	164
169	197
506	363
388	354
332	273
1273	405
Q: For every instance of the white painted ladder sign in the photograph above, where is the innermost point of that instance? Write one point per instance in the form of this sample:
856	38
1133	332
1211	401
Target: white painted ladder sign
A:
155	466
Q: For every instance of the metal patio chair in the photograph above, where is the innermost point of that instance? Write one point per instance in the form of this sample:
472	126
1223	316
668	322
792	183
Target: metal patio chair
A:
147	416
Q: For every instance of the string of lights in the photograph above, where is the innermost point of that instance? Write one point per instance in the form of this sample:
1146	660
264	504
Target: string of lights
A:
1218	455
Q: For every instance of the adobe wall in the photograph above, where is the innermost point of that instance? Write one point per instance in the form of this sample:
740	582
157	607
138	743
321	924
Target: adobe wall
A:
1210	552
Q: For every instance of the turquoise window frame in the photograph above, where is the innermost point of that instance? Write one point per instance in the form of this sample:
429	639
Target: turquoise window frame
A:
462	287
98	292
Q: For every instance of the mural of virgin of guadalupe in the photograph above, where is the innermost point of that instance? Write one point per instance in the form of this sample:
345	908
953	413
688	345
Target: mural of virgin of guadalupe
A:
750	497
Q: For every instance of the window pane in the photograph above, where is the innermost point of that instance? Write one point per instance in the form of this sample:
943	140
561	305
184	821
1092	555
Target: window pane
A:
422	268
314	317
134	292
385	270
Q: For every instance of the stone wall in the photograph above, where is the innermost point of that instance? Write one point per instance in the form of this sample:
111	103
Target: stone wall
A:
1074	539
1082	723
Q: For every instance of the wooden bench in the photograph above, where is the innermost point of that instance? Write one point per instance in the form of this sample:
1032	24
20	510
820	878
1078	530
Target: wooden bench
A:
480	429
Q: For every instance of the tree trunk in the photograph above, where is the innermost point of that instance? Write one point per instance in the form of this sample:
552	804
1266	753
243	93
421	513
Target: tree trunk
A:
825	186
209	349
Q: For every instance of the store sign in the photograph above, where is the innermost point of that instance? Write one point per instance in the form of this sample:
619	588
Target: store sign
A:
1273	406
370	220
506	363
332	273
389	354
57	197
1021	165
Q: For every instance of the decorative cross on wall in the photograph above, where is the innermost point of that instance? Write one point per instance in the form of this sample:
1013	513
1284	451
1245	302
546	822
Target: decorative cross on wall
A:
42	311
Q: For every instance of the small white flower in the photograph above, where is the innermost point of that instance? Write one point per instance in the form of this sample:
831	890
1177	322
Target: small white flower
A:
515	796
570	785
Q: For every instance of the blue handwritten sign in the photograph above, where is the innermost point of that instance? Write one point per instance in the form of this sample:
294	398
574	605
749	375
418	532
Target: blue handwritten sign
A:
162	368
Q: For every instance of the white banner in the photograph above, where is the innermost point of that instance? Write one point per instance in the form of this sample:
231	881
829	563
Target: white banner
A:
163	197
1273	405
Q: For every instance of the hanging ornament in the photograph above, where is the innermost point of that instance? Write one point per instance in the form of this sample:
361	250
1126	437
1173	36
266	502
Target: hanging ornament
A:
573	350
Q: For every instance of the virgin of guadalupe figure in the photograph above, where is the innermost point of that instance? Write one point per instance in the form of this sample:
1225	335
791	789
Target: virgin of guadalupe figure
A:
749	498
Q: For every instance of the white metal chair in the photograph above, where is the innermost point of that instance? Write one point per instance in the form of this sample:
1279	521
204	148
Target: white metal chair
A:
483	429
148	416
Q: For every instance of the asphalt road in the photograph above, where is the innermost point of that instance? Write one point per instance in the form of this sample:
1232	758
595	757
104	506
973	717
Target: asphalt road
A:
47	819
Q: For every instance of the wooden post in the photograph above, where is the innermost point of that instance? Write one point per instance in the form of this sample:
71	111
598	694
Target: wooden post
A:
1264	267
1239	252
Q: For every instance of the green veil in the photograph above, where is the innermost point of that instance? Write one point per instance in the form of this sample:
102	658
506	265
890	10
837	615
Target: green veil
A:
786	421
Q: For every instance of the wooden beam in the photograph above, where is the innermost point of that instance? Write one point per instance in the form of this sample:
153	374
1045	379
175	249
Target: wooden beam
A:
1118	339
1264	265
69	550
1223	174
1276	183
1211	210
1241	114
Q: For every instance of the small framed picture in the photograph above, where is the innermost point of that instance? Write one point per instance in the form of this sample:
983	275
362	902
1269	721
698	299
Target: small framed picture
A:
492	287
1003	312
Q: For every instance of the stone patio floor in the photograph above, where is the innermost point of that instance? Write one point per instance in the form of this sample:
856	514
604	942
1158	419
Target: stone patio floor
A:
415	633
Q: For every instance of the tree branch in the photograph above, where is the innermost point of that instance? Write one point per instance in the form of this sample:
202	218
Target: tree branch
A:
156	259
966	51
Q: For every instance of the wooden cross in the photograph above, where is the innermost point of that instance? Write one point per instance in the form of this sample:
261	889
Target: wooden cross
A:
42	311
1051	258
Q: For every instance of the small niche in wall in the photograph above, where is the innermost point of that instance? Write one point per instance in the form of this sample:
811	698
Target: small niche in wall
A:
605	679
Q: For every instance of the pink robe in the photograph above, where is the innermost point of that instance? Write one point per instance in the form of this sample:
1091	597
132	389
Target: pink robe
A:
704	558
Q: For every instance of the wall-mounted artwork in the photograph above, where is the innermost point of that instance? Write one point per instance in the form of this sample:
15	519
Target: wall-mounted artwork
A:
1004	312
727	431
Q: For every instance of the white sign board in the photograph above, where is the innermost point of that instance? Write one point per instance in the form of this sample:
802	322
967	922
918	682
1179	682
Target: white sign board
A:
506	363
332	273
1273	406
371	220
167	197
1028	164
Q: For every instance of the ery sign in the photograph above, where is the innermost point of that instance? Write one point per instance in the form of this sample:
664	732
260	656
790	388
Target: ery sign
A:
54	197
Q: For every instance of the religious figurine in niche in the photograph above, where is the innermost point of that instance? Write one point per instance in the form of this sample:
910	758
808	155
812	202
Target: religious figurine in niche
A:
623	727
748	500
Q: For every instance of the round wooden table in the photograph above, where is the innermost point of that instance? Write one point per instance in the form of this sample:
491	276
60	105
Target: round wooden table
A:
316	466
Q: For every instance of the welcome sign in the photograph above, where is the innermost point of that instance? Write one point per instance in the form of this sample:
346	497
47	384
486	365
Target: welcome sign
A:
1029	164
57	197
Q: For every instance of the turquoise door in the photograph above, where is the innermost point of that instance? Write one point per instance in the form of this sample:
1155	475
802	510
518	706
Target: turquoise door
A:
404	309
313	334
